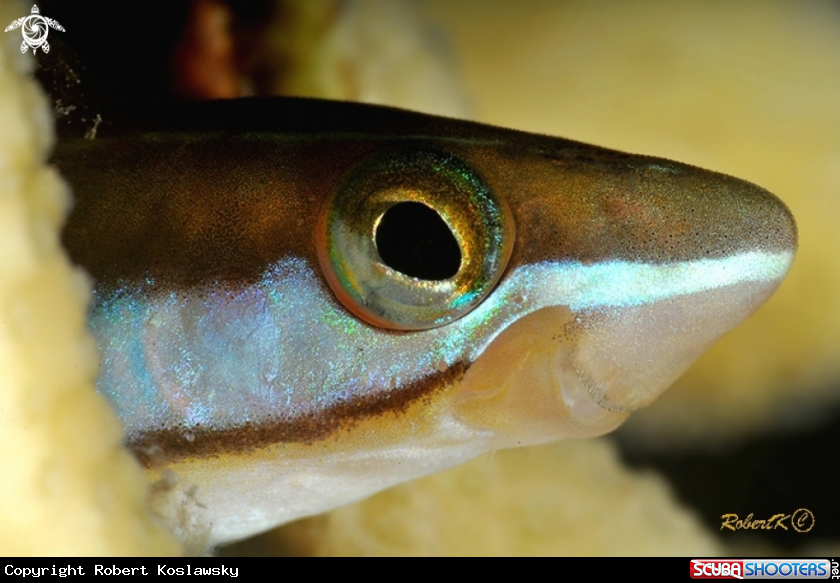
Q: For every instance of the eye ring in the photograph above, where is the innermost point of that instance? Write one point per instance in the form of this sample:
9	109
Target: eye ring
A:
480	222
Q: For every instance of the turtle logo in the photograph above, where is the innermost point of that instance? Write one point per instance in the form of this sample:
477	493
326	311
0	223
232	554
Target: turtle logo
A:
35	29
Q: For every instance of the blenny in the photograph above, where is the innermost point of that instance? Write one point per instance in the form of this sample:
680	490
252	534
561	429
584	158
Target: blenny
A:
299	303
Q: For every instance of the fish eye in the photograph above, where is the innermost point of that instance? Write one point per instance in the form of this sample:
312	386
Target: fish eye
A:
413	239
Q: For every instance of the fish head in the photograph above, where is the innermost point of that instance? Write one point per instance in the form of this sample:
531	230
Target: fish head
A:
300	303
586	280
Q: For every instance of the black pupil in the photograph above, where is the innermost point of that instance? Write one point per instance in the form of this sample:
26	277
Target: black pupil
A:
414	240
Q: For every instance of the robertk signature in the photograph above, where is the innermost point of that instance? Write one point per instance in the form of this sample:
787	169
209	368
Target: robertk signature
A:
802	520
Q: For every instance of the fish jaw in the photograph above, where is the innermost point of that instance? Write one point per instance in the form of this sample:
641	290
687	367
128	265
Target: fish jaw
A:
558	373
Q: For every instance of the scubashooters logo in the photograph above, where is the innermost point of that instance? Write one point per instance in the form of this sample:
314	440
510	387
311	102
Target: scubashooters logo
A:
35	29
760	569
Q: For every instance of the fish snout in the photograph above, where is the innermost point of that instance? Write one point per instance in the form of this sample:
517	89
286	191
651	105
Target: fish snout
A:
610	324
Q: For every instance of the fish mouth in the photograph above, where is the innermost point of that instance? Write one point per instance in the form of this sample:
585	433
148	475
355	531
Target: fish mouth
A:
562	372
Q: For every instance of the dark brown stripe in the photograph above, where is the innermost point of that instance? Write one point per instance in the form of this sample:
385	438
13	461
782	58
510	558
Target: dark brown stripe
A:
154	448
190	208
